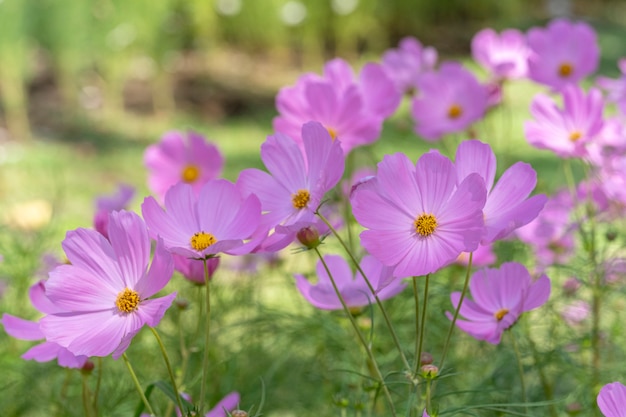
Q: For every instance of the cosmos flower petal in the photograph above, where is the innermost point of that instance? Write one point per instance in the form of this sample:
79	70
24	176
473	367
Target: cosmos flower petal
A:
325	158
72	288
151	311
130	241
475	156
612	399
20	328
225	405
164	225
538	293
158	275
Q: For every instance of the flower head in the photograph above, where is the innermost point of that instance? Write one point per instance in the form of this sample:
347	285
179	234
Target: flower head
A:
353	288
616	88
181	157
106	204
405	64
450	100
562	54
418	220
500	296
105	293
612	400
504	55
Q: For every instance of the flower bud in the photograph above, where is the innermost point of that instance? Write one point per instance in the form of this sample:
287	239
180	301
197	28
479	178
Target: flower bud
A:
426	358
573	409
571	285
429	371
309	236
238	413
87	367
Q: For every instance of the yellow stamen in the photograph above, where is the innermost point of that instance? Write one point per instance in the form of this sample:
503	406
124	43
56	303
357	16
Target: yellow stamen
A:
332	132
190	173
575	135
455	111
566	69
201	240
127	300
300	199
499	315
425	224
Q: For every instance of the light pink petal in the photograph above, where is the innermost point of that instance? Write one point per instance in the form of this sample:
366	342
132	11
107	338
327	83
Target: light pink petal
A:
388	246
283	159
612	400
180	204
436	179
397	180
324	157
275	198
39	299
162	224
374	211
538	293
73	289
159	275
151	311
475	156
470	310
227	404
20	328
131	244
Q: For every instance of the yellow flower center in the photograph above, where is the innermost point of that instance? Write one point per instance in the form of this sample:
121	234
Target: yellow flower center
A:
575	135
499	315
425	224
127	300
190	173
566	69
455	111
201	240
300	199
332	132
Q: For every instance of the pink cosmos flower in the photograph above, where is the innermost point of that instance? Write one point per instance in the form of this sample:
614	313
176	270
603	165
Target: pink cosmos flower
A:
504	56
353	288
562	54
351	110
106	204
482	256
418	219
217	220
105	293
193	269
500	296
296	183
616	88
180	156
29	330
575	312
508	206
450	100
405	64
225	405
565	131
612	400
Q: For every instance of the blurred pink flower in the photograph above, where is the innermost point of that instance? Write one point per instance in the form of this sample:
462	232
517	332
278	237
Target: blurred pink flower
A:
504	55
352	287
106	204
482	256
104	294
615	88
566	131
219	219
181	156
500	296
350	110
508	205
193	269
408	62
612	400
296	183
571	286
450	100
575	312
418	219
562	54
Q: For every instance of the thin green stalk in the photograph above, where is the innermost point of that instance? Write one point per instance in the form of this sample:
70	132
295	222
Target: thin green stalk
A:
394	336
138	385
366	346
547	389
85	395
169	368
207	328
417	359
420	342
98	384
456	311
520	368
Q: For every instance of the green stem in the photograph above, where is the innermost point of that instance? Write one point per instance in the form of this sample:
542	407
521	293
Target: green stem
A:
86	408
456	312
169	369
417	359
547	389
394	336
138	385
520	368
422	325
366	346
98	384
207	328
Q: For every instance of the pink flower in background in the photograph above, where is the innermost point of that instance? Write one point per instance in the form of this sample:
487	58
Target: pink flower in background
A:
418	220
219	219
296	183
612	179
180	156
562	54
105	293
504	55
615	88
508	205
450	100
565	131
193	269
227	404
352	287
29	330
482	256
612	400
106	204
575	312
351	110
500	296
405	64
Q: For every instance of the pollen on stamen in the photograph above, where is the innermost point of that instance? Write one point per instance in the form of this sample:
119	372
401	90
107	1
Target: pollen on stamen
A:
202	240
425	224
575	135
127	300
332	132
190	173
499	315
455	111
300	199
565	69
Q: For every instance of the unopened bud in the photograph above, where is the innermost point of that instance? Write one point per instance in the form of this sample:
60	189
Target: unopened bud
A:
87	367
181	303
573	409
309	236
426	358
571	285
429	371
238	413
611	235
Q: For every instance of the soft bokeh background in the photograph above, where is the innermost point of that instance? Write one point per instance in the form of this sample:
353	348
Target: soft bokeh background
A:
86	85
